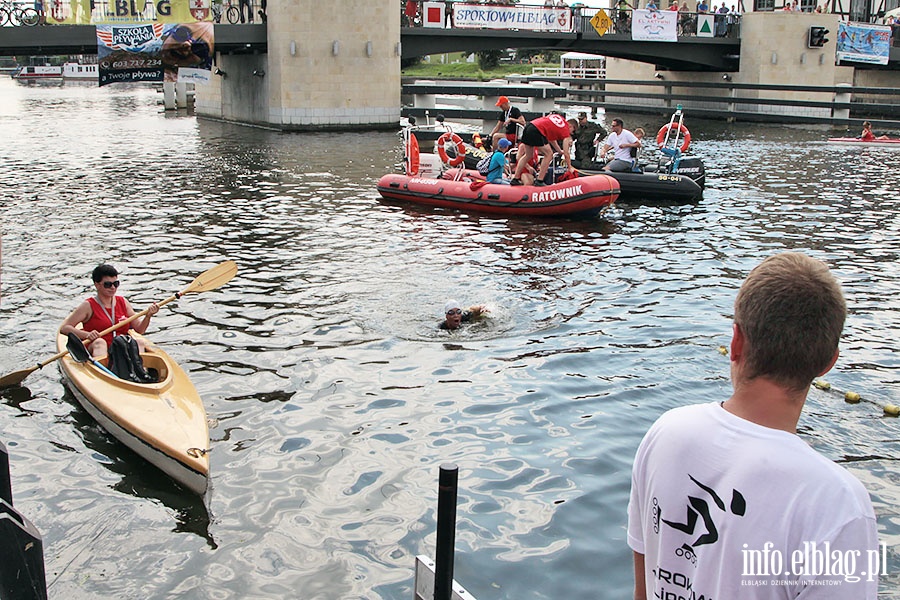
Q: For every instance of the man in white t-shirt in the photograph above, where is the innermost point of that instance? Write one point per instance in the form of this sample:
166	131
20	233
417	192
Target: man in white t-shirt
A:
726	500
621	141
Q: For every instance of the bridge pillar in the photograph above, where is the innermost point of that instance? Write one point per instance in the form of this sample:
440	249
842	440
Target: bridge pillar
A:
330	66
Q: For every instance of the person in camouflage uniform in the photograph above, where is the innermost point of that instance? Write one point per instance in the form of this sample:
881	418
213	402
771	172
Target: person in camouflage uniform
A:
584	138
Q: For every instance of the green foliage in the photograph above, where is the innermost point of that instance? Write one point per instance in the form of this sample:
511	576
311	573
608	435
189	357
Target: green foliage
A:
489	59
464	70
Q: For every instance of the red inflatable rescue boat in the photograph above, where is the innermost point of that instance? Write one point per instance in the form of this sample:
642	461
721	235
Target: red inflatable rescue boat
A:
427	182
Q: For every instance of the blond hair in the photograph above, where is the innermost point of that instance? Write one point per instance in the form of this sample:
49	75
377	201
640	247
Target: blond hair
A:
791	312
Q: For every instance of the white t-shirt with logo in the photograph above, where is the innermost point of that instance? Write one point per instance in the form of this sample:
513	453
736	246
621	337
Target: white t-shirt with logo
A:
723	508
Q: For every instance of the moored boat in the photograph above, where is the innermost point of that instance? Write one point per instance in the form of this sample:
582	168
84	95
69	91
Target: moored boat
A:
39	73
68	71
164	422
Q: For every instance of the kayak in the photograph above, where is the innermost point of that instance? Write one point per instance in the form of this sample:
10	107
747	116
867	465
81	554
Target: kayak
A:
859	142
164	422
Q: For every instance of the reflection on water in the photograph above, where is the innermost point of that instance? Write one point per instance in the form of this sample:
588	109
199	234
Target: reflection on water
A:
334	397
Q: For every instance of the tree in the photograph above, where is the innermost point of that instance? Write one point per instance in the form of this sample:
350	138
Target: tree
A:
489	59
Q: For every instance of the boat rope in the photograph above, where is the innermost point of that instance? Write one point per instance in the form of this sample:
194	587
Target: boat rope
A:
198	452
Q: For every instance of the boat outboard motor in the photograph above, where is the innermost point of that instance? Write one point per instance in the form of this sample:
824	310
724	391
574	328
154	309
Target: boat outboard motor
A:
692	166
125	361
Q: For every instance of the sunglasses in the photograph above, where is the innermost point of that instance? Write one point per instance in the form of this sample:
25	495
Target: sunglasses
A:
455	311
111	284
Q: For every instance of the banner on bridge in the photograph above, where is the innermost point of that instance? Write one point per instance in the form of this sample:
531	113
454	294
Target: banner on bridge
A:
864	42
155	52
502	16
96	12
654	25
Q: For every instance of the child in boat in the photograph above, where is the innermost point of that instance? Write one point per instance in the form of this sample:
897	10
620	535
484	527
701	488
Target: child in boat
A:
498	163
867	135
636	150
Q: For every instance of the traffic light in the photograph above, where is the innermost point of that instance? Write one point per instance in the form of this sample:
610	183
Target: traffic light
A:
817	37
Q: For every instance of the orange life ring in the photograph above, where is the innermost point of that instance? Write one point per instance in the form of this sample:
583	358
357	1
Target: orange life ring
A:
661	135
412	156
460	149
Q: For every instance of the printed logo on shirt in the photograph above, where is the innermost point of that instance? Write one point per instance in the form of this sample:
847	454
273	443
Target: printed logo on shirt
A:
701	516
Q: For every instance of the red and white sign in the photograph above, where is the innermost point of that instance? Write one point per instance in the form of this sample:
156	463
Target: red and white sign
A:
433	14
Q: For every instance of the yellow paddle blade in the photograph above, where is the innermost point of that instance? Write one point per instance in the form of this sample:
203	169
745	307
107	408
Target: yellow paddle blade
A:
213	278
16	378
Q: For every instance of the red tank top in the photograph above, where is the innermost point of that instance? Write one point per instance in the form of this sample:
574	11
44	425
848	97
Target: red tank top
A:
100	318
553	127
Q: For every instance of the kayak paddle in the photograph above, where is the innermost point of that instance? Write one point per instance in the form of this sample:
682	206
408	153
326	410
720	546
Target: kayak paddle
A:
206	281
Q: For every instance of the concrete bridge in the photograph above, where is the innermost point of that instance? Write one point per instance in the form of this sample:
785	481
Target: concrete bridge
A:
691	53
305	70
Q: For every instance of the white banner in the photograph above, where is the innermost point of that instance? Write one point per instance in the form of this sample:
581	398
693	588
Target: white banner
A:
654	26
499	16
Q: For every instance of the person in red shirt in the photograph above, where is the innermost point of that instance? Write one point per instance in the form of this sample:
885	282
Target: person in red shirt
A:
867	135
545	133
103	310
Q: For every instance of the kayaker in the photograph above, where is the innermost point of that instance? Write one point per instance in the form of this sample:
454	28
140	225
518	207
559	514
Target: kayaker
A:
454	315
545	133
867	135
718	482
103	310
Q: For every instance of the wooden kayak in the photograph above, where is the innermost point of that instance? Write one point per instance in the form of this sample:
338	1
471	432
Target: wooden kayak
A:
163	422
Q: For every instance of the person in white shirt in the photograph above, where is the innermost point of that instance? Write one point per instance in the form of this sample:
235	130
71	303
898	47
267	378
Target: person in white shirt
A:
621	141
727	501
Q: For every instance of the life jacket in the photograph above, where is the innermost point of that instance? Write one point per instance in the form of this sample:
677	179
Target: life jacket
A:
125	361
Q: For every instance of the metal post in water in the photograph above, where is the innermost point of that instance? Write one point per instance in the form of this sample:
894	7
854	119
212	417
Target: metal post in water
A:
5	483
446	531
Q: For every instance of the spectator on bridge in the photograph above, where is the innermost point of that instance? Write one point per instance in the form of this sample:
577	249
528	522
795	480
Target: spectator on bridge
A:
545	133
721	25
651	5
412	12
509	124
622	8
249	5
620	141
674	5
685	19
702	7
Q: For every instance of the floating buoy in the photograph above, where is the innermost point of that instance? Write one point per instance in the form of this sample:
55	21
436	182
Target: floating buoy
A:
723	350
822	384
892	410
851	397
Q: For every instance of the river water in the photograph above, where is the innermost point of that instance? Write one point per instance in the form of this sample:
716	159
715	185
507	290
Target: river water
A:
332	396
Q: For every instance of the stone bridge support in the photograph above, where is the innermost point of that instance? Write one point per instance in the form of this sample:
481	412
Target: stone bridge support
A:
329	66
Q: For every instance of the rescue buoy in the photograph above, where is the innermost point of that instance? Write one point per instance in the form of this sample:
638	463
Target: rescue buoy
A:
460	149
661	135
412	156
